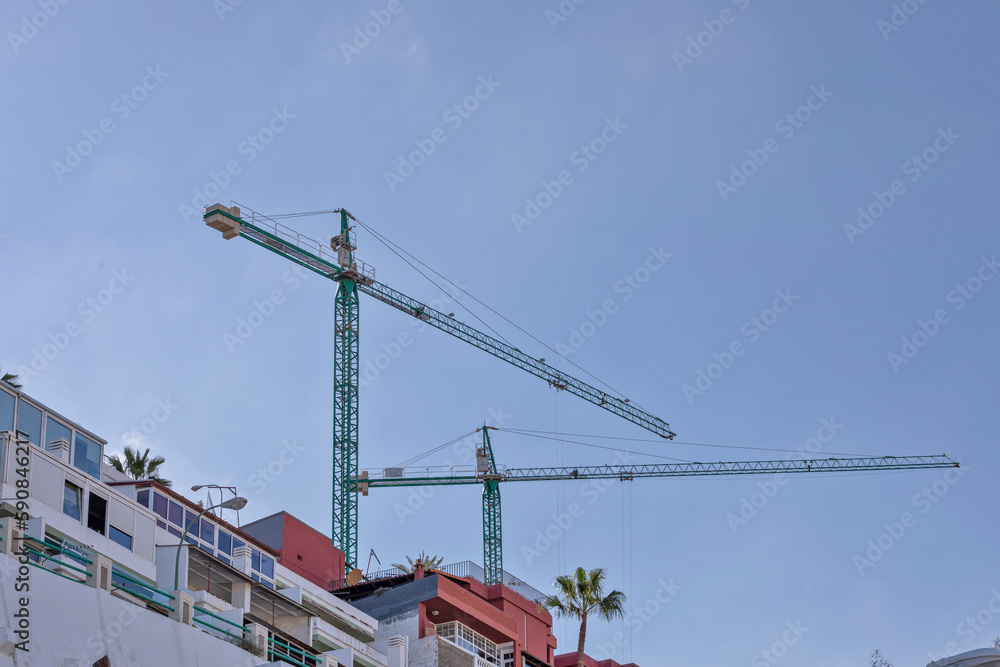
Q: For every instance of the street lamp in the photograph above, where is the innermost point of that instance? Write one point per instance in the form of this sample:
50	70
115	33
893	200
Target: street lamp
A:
232	489
236	503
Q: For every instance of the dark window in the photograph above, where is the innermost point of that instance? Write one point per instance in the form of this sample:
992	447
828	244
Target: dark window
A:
173	531
54	430
29	420
161	524
237	543
190	539
267	566
224	559
190	522
97	513
87	456
255	560
176	514
71	500
7	402
142	497
208	531
209	550
160	505
120	537
225	542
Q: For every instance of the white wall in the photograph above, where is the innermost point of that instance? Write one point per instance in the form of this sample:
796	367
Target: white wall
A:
82	624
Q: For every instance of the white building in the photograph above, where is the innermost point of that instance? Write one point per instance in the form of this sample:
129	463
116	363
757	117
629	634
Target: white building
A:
91	571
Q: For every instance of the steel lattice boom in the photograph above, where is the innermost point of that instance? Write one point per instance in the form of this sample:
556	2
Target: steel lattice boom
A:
337	263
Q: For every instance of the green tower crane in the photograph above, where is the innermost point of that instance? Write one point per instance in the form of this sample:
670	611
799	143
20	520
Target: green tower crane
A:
336	261
490	476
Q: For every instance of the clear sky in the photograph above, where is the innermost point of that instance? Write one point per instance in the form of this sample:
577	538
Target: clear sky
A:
660	178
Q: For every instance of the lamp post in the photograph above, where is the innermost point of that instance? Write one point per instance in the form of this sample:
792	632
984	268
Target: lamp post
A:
236	503
232	489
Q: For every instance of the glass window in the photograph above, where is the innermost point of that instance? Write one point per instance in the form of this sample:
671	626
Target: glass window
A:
71	500
224	559
97	513
237	543
267	566
160	504
225	542
208	531
142	497
176	514
7	402
255	560
29	420
190	519
121	537
87	456
161	524
54	430
173	531
190	539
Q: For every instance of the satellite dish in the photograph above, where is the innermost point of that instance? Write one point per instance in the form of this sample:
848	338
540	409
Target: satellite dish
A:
354	577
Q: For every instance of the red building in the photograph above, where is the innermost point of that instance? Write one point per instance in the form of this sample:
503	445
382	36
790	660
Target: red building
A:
569	660
445	617
301	548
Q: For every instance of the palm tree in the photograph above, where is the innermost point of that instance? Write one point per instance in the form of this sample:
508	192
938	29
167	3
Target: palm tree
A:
11	379
139	466
426	563
581	595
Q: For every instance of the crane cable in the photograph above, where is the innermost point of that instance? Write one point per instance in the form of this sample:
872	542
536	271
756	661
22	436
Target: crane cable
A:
393	247
389	243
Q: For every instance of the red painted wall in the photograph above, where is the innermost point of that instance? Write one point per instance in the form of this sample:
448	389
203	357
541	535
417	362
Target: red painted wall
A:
308	552
569	660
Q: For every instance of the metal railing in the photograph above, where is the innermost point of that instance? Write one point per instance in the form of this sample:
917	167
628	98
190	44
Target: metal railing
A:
368	578
139	589
469	569
220	618
307	659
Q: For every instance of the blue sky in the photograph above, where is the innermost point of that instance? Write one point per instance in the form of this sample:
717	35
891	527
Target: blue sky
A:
741	138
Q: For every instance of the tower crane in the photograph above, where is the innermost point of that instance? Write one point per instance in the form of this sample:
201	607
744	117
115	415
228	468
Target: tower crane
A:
337	263
490	476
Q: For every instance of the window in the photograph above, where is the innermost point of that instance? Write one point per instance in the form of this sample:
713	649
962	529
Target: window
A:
72	495
207	531
225	543
54	430
87	456
267	566
160	505
255	560
121	537
470	640
97	513
142	497
7	402
29	420
176	514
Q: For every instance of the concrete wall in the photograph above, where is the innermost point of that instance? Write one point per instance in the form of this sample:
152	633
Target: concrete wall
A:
73	625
